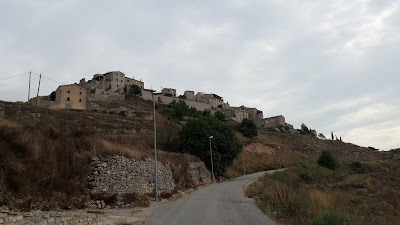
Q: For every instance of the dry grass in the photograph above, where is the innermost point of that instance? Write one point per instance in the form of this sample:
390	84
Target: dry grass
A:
315	195
45	154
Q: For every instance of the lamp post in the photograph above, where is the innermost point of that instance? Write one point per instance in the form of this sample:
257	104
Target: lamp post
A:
244	169
155	150
212	165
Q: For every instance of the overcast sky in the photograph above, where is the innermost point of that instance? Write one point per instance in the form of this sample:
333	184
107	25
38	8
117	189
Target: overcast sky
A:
333	65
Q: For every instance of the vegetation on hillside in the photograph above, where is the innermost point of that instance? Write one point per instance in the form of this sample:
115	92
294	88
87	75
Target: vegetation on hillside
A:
356	193
45	154
195	136
248	128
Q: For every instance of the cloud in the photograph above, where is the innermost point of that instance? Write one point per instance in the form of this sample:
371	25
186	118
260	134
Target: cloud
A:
330	64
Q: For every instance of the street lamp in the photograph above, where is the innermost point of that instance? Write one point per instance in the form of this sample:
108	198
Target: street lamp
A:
155	149
212	166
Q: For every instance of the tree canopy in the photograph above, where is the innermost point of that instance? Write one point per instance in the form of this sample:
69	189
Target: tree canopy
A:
194	139
248	128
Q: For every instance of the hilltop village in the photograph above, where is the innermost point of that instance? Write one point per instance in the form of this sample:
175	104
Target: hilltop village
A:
115	85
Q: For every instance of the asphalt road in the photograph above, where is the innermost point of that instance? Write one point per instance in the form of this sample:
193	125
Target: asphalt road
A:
223	203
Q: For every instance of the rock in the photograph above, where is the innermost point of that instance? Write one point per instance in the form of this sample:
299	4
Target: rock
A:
118	174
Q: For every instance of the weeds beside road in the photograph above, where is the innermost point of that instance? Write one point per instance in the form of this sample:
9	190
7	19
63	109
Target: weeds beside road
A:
356	193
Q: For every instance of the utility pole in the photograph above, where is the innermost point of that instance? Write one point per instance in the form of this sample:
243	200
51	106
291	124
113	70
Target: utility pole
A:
244	169
29	87
37	96
155	150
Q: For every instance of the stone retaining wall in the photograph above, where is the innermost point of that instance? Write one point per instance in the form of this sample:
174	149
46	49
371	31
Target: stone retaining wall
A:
118	174
39	217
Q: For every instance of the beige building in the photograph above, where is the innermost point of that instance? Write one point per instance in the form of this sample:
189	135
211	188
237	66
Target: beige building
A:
216	101
169	92
236	113
70	96
189	95
111	85
274	121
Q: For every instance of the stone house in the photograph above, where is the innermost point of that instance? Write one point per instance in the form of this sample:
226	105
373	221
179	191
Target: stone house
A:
71	96
274	121
216	101
111	85
169	92
236	113
189	95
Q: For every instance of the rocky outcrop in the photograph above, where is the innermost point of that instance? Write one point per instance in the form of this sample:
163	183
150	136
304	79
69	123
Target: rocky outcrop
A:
198	173
118	174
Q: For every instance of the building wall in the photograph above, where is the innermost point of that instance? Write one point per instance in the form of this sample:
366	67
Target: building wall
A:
189	95
274	121
70	97
170	91
130	81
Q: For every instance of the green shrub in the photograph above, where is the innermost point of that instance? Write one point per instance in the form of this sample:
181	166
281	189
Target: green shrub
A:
194	139
219	115
357	167
248	128
329	218
327	160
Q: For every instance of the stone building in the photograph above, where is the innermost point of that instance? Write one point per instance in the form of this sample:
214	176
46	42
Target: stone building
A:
274	121
236	113
169	92
189	95
70	96
111	85
216	101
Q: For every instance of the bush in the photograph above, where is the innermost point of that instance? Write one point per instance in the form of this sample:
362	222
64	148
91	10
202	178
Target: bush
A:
53	96
194	139
181	109
357	167
327	160
219	115
248	128
329	218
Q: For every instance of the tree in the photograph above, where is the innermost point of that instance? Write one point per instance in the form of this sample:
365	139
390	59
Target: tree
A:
248	128
219	115
181	109
194	139
53	96
332	135
134	91
327	160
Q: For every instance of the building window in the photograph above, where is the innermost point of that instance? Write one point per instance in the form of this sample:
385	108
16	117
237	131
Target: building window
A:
68	99
116	80
80	100
117	85
80	93
121	81
69	91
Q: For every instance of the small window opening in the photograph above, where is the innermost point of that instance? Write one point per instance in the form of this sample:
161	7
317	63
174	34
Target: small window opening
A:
68	99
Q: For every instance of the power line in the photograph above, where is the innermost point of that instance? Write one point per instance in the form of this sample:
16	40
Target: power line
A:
49	79
14	76
19	83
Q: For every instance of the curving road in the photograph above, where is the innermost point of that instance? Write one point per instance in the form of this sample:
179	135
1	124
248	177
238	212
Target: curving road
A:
222	203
